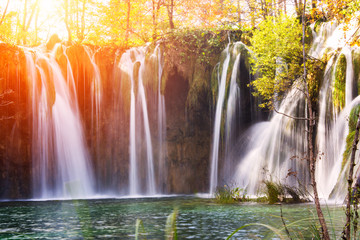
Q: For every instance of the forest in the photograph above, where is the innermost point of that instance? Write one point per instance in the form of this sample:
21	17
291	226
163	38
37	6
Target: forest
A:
132	23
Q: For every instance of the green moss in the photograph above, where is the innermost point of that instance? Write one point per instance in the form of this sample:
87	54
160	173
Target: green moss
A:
214	83
318	24
339	84
198	88
315	77
350	137
356	64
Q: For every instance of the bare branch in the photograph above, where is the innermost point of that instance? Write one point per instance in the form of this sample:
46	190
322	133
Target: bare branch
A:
7	118
6	103
289	116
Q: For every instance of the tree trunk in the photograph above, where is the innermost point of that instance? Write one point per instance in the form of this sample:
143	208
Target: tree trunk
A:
36	25
67	19
155	7
313	4
297	8
33	10
311	155
154	20
347	228
170	10
239	12
127	21
82	32
24	23
4	13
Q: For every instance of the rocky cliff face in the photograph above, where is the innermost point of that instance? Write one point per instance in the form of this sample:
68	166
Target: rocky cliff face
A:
15	124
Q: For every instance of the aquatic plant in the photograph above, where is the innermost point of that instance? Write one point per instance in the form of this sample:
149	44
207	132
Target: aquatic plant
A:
170	228
280	192
228	194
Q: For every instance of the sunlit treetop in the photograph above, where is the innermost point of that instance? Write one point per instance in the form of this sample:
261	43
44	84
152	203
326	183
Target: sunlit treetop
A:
134	22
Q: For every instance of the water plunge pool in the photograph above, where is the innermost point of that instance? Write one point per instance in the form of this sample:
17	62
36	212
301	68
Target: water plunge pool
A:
197	219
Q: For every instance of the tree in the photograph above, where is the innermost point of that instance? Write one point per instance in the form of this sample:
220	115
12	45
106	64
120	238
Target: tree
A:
156	5
128	3
280	43
67	20
26	21
170	11
4	13
276	39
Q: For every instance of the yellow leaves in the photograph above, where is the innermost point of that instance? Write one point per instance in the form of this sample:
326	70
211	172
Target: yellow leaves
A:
355	41
277	49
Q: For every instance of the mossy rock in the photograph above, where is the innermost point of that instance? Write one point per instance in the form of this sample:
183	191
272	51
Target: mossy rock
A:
356	64
315	77
350	137
339	84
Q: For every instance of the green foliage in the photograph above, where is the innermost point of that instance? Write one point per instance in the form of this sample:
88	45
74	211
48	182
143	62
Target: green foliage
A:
227	194
278	192
139	230
170	229
272	192
277	57
204	44
339	85
356	65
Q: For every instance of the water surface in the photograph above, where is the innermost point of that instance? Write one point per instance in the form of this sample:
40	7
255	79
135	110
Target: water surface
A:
115	219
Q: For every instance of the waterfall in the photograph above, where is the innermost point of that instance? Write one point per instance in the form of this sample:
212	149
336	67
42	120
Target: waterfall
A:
232	109
217	123
274	148
161	173
96	95
136	66
57	132
332	126
227	112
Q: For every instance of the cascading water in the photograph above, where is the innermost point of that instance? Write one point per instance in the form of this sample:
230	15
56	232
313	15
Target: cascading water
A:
276	147
331	132
96	95
161	173
133	63
229	97
233	104
57	133
217	123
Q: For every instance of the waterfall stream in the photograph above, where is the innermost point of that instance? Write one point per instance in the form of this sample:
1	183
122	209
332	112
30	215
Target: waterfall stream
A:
57	132
217	123
133	63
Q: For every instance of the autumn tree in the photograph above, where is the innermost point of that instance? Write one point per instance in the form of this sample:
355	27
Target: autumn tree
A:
280	43
27	19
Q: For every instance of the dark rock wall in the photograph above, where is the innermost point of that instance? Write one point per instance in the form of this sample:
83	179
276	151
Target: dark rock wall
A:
15	125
